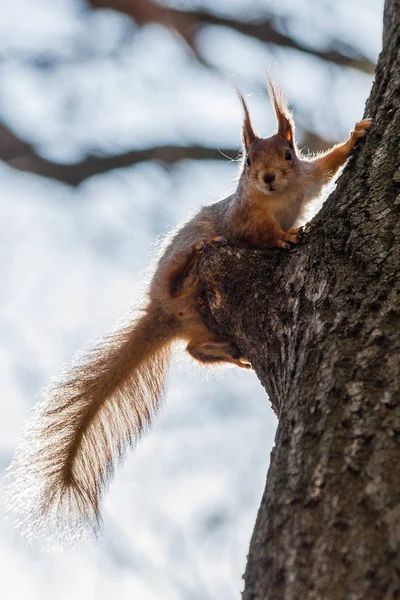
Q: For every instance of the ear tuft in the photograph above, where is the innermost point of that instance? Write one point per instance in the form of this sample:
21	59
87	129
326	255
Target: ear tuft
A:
248	135
282	113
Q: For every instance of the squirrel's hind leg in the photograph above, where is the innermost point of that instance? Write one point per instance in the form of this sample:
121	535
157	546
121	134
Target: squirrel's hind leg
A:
203	345
215	350
184	278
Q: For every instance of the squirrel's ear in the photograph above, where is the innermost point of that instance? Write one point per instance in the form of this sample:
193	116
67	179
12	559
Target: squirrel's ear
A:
282	113
248	134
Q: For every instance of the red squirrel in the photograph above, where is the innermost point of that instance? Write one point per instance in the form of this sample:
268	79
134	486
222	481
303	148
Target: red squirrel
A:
103	401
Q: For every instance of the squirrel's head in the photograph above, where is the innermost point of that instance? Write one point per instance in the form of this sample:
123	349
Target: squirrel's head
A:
270	164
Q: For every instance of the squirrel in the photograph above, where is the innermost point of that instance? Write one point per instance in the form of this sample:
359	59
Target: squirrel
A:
104	400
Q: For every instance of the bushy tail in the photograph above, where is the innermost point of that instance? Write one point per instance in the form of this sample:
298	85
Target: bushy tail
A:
88	418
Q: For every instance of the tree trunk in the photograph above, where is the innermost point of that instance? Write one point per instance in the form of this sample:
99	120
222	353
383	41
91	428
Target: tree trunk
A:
320	325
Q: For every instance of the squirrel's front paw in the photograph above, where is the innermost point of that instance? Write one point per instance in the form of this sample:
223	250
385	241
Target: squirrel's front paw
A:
293	236
361	128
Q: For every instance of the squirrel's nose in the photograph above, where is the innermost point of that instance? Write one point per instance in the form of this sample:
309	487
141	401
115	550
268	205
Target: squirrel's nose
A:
269	177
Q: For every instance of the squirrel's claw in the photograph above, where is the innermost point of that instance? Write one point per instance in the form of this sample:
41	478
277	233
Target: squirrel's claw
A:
244	363
361	128
218	241
293	235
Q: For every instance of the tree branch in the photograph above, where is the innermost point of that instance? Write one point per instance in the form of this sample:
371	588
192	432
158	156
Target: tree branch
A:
320	325
22	156
74	174
188	23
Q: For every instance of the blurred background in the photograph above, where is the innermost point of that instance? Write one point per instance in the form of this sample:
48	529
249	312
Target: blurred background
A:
117	119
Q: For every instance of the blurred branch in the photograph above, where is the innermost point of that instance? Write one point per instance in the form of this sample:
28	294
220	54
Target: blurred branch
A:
23	157
188	23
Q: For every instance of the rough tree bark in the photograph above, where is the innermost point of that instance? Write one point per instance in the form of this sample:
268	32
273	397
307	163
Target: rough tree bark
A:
320	324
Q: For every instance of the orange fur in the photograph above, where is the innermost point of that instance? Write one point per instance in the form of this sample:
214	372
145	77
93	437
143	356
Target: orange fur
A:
105	399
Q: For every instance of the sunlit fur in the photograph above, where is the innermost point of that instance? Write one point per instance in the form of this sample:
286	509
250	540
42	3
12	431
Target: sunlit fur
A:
277	206
102	403
87	419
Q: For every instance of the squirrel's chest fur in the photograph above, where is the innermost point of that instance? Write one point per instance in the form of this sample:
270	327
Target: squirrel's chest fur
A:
260	210
285	207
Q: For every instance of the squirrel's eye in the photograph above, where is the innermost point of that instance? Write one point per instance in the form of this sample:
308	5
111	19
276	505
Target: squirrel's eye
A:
288	155
248	163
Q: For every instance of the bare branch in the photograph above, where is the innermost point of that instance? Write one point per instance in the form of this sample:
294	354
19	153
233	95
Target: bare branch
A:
188	23
22	156
75	173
